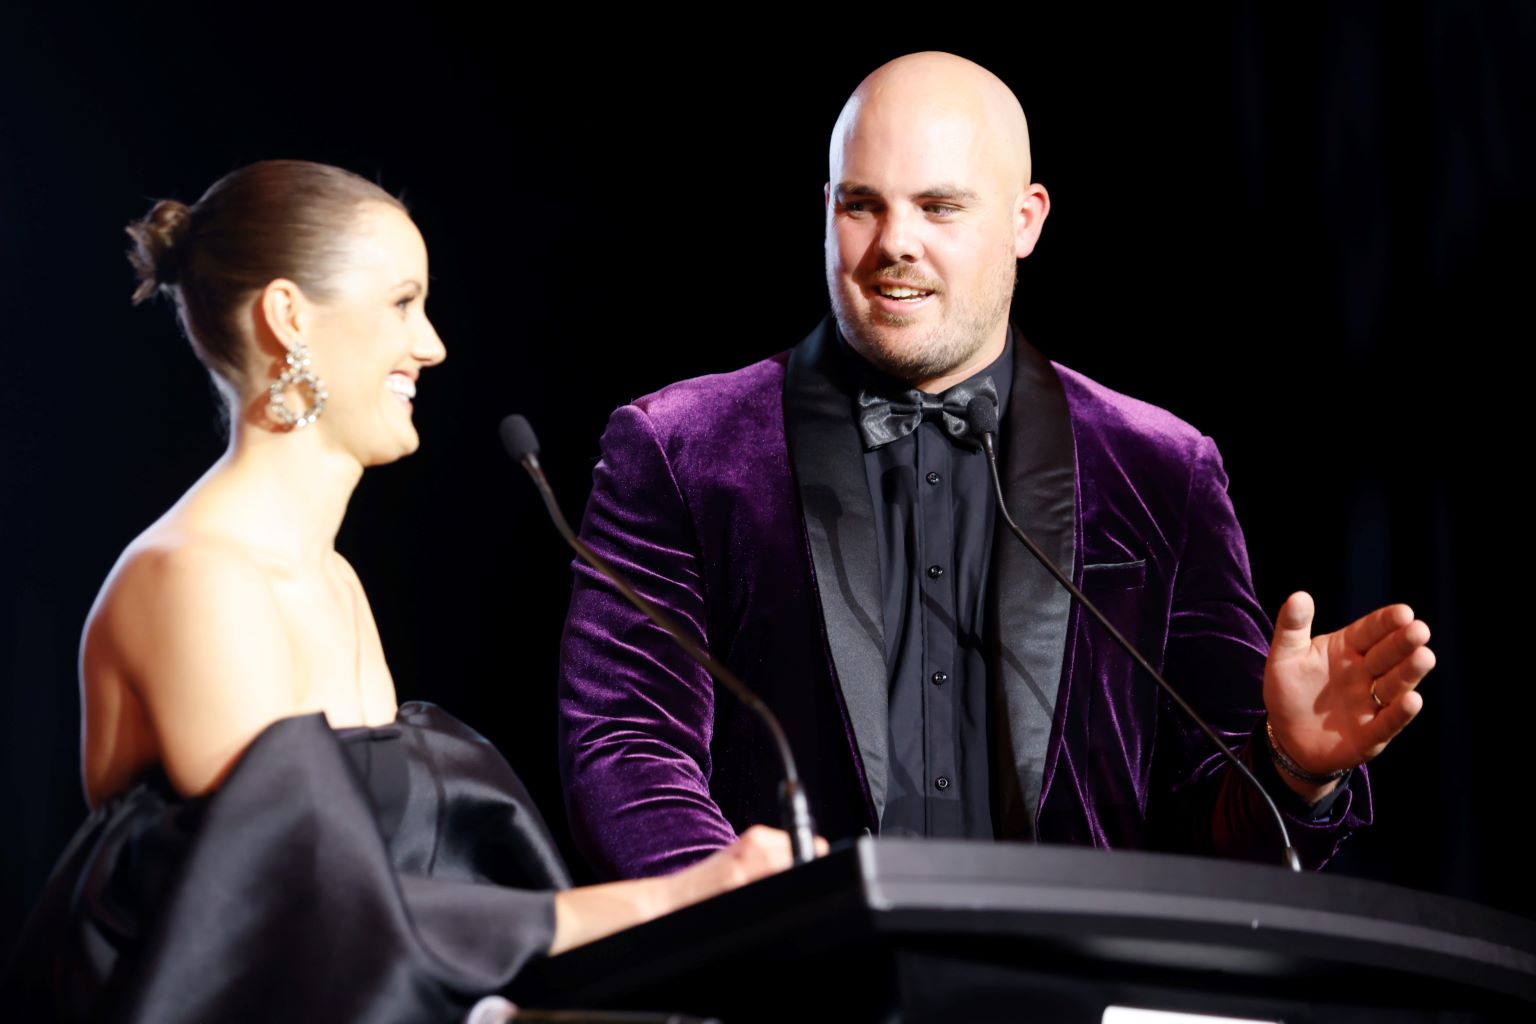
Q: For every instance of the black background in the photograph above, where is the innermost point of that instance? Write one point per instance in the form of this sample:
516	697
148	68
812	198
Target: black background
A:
1304	228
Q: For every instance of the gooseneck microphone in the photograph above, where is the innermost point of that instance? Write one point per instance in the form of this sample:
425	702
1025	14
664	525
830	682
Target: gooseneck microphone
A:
518	438
981	419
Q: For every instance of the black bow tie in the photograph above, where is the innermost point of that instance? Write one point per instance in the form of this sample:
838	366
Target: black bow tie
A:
883	420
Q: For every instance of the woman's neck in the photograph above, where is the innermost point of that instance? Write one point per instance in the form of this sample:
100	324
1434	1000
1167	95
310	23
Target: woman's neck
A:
283	494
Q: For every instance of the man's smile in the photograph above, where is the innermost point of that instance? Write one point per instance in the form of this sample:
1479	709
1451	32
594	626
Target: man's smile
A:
902	292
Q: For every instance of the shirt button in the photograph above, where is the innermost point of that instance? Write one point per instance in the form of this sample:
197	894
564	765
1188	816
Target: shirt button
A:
935	571
941	783
939	679
933	478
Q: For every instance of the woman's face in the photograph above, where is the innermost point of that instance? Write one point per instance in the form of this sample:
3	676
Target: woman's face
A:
370	342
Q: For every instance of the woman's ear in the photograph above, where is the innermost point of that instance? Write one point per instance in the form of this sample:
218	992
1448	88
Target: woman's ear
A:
284	312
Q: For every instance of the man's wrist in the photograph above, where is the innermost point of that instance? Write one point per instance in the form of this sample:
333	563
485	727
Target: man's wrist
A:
1289	766
1310	786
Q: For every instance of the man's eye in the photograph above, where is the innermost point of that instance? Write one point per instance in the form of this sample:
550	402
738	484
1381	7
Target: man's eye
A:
941	209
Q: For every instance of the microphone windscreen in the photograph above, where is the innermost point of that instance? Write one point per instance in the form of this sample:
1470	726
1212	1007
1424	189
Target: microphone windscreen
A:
981	415
517	437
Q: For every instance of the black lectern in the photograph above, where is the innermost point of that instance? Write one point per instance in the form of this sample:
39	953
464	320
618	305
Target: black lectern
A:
910	931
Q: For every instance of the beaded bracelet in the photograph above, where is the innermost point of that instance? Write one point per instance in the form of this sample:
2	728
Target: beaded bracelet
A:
1288	765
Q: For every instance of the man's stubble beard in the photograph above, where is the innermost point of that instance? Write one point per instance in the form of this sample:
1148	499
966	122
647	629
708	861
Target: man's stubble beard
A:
890	343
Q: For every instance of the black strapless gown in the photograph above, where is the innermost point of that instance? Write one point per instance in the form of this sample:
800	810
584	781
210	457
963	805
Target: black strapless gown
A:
397	873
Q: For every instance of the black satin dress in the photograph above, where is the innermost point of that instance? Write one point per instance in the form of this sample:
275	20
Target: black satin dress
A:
397	873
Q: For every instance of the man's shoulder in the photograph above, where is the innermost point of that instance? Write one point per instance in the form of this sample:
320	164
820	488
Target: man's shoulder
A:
749	395
1116	420
1136	461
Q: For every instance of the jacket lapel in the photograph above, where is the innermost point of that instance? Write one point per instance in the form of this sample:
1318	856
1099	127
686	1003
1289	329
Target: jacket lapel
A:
1030	610
827	456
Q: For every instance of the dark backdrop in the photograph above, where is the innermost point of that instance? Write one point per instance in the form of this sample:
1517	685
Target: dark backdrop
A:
1303	228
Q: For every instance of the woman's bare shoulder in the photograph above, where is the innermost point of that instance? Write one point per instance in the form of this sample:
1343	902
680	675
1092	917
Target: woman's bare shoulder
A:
169	579
185	635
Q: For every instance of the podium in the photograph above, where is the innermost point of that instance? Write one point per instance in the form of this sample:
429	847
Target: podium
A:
953	931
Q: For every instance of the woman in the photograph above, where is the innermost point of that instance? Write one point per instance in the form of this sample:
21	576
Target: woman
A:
247	857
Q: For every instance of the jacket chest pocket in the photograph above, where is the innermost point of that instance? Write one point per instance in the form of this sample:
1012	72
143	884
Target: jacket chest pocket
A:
1119	590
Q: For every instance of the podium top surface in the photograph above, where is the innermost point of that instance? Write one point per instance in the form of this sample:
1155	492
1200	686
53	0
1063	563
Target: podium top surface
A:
1115	909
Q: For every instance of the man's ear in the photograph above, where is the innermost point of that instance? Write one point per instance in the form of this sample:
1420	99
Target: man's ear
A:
1033	206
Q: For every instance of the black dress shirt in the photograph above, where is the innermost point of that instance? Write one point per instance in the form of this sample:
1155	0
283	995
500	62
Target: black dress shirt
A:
933	505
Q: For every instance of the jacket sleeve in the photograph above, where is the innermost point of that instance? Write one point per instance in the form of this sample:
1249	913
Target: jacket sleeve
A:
1218	640
636	713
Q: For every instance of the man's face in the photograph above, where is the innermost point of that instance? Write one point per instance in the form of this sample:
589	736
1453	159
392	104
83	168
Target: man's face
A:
922	241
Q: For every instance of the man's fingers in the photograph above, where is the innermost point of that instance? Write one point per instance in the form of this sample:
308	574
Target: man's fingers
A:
1391	720
1396	646
1369	630
1293	625
1405	675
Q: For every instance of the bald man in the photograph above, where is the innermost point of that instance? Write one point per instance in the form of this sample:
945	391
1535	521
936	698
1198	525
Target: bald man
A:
823	523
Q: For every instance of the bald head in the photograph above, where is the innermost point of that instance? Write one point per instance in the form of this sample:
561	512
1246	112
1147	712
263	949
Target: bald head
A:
935	87
929	208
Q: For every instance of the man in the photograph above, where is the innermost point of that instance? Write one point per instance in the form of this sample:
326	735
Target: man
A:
824	525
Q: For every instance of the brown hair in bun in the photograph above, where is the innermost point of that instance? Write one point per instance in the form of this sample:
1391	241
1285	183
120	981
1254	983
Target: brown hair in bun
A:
276	218
155	241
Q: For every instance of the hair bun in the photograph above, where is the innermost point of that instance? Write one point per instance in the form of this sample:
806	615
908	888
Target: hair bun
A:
158	246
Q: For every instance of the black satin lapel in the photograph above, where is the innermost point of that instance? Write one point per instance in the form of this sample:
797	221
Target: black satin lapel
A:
1038	466
827	456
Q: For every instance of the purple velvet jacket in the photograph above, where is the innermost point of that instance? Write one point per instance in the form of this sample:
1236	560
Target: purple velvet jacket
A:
739	503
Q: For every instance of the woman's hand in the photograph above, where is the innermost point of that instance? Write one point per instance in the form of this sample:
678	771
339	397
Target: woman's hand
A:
594	911
759	852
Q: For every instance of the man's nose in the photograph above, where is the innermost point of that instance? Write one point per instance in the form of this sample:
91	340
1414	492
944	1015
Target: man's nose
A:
900	237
